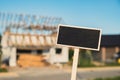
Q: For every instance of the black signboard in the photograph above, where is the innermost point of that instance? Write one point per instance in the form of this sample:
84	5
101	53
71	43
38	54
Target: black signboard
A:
76	36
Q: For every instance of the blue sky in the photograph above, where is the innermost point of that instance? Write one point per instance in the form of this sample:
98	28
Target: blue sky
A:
104	14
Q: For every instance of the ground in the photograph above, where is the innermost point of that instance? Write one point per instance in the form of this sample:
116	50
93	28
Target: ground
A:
50	73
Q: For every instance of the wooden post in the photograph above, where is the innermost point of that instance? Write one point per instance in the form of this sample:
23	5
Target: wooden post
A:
75	62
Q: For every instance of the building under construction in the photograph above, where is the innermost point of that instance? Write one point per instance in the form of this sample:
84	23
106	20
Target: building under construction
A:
29	40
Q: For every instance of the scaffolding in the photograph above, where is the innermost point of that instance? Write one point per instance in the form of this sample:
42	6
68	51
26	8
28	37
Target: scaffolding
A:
30	23
30	30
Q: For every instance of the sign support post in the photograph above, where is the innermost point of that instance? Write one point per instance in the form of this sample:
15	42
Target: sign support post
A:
78	38
75	63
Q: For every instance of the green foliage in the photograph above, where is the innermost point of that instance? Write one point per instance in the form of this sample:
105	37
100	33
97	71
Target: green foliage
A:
0	42
0	38
0	61
71	52
3	70
85	58
0	51
113	78
112	64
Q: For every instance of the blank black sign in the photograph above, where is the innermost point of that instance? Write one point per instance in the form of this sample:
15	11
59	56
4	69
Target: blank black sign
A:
85	38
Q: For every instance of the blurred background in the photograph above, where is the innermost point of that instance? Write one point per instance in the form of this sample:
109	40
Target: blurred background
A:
28	31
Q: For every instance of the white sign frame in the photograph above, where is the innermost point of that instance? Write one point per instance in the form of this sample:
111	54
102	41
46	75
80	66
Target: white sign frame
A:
79	27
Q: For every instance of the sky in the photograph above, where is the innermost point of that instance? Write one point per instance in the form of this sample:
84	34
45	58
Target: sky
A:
103	14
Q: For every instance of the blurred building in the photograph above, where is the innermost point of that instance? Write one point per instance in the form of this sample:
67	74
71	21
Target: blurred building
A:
30	40
110	45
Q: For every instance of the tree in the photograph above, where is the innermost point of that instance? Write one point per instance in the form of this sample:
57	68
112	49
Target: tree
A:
0	58
0	52
85	58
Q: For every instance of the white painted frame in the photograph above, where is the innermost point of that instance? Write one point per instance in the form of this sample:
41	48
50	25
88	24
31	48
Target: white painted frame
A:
79	27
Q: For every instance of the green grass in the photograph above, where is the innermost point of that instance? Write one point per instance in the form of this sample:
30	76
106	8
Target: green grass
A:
3	70
112	64
113	78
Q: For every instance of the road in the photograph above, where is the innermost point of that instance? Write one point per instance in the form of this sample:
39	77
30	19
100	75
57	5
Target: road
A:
64	74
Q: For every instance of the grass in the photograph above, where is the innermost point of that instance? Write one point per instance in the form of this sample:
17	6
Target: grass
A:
3	70
113	78
112	64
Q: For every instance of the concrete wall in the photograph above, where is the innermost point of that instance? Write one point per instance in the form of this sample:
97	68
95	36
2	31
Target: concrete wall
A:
59	58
